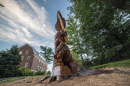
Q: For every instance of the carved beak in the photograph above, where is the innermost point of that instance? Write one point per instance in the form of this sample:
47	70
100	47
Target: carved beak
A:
66	39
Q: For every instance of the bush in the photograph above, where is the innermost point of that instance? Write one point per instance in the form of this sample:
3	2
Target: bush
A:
48	73
40	73
26	72
88	63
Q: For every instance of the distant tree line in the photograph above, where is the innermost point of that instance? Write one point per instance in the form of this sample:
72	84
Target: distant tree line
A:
99	30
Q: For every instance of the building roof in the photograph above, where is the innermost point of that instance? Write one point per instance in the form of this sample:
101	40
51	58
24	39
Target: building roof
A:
37	54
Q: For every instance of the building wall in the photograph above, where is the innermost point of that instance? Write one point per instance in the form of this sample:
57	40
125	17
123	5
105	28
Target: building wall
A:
34	61
38	65
25	55
35	64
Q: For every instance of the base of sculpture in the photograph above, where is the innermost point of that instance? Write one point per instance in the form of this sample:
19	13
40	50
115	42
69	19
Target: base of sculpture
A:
59	73
61	70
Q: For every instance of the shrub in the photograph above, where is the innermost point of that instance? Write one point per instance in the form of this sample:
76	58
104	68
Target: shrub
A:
48	72
40	73
26	72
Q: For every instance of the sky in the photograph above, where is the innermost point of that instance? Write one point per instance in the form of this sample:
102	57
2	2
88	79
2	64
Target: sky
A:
30	21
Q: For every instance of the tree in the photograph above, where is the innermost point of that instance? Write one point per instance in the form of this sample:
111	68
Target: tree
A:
74	37
9	62
118	4
76	58
104	28
47	53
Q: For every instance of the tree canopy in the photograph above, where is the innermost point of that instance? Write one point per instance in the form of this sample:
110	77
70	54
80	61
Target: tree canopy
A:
74	37
9	62
104	28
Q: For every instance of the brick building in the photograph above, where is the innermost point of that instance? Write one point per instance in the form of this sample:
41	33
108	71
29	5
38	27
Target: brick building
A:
32	59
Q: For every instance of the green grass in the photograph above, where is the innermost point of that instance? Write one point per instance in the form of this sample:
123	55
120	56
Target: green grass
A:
11	80
124	63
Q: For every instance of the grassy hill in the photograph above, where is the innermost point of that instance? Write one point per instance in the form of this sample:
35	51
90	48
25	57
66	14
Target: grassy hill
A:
124	63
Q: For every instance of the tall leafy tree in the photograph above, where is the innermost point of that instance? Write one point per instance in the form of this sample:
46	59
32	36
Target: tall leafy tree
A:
9	62
104	28
47	53
74	37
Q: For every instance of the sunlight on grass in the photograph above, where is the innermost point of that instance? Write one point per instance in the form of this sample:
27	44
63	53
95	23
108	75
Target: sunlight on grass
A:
125	63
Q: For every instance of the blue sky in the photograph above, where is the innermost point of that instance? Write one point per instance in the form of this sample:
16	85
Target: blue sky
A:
30	21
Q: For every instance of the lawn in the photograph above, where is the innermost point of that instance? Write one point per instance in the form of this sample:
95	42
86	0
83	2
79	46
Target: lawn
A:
124	63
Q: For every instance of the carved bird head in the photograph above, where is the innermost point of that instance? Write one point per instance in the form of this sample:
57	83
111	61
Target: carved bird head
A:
58	23
61	24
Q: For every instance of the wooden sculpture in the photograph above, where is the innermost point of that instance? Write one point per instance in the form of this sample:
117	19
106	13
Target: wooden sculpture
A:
63	65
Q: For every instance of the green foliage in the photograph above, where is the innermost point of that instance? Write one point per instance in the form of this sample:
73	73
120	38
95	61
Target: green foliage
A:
26	72
88	63
124	63
73	32
9	62
75	40
47	53
40	73
48	73
76	58
104	29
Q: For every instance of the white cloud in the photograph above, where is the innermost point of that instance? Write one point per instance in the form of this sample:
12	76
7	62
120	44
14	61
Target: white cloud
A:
25	22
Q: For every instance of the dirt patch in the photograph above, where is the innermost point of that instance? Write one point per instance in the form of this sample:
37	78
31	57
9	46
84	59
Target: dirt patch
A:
105	79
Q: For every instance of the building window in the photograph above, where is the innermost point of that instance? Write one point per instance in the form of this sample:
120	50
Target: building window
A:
28	58
26	64
20	52
27	51
38	67
22	57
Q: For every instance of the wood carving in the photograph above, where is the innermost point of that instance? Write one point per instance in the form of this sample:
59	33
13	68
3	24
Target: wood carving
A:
63	65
